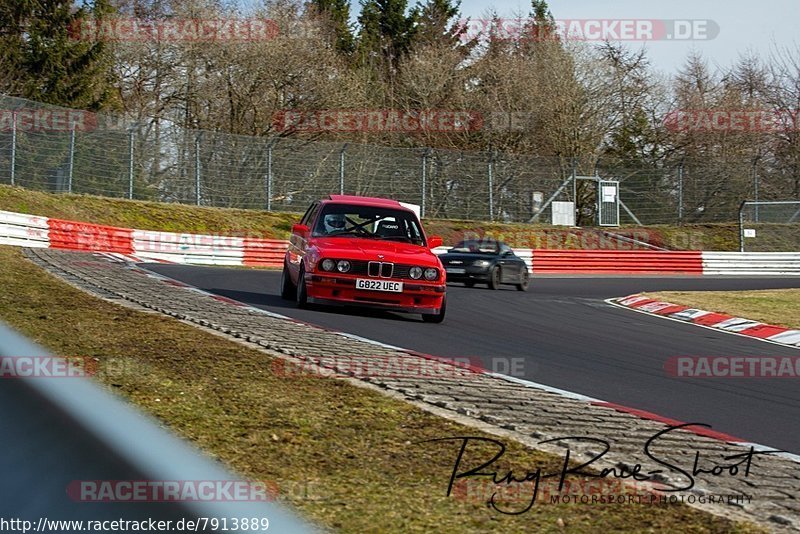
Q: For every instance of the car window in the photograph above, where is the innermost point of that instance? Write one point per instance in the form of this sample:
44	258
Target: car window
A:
505	249
368	222
308	218
482	246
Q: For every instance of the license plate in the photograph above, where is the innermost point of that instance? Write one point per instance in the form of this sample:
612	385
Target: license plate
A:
379	285
456	270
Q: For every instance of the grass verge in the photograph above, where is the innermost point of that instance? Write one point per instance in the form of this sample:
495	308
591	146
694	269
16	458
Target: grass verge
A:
255	223
348	458
780	307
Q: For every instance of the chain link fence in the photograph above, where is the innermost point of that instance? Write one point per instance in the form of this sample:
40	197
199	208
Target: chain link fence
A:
768	226
57	150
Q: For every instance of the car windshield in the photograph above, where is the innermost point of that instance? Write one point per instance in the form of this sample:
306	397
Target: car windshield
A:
476	247
369	222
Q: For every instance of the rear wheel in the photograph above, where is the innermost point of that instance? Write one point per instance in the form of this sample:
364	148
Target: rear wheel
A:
494	278
523	285
288	289
302	293
436	317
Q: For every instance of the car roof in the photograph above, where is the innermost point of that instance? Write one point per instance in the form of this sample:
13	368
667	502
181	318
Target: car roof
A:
365	201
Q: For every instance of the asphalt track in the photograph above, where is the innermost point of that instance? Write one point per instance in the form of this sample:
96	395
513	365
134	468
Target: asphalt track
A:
561	333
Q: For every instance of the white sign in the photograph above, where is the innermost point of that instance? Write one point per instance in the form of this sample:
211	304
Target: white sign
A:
609	193
749	232
412	207
563	213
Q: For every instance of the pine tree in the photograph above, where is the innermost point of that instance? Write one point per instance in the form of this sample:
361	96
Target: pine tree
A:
386	34
435	25
51	61
338	13
541	26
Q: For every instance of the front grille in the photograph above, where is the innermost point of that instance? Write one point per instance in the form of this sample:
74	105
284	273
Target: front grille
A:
377	269
358	267
401	271
382	269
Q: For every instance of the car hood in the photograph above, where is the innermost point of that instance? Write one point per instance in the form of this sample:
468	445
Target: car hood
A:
368	249
466	258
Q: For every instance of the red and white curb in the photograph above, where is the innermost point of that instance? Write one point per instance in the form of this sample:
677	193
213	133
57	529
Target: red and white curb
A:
698	430
718	321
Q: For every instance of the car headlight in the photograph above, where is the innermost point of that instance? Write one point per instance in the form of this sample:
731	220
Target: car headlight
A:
415	273
343	266
431	274
481	263
328	264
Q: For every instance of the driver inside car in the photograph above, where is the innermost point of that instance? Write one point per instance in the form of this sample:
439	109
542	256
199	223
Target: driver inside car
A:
334	222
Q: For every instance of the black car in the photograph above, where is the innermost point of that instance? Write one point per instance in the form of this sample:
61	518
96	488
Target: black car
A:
485	261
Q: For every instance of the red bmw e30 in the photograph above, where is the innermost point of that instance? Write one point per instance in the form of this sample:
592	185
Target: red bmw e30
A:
364	251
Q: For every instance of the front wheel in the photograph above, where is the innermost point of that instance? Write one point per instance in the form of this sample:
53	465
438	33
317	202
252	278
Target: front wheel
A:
288	289
302	293
523	285
436	317
494	278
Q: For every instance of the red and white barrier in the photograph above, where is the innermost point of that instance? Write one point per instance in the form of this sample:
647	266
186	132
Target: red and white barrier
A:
142	245
31	231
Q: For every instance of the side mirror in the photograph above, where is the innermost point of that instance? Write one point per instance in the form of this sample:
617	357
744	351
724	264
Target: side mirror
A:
300	229
435	241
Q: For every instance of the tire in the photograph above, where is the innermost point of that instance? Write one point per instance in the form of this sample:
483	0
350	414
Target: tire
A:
494	278
436	317
469	284
288	289
302	293
526	277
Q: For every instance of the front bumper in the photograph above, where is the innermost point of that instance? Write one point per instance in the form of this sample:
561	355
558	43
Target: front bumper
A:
472	274
417	296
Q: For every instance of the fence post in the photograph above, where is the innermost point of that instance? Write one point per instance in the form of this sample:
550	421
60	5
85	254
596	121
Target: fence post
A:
130	162
574	193
269	174
71	158
755	189
13	148
741	226
491	184
680	193
198	196
341	169
424	181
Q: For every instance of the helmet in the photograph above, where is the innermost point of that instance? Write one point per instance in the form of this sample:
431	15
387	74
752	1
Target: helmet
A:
334	222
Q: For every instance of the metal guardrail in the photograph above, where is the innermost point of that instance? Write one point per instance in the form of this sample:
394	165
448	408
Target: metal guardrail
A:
30	231
18	229
752	263
59	430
